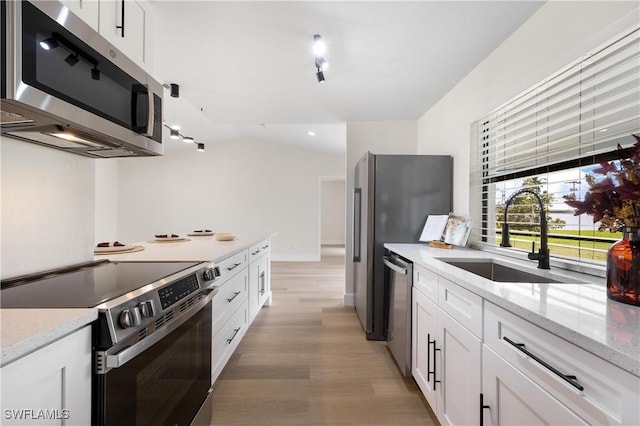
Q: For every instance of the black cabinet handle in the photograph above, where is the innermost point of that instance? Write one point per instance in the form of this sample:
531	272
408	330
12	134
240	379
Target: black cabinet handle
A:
235	265
429	357
429	372
483	406
121	27
233	297
235	332
572	380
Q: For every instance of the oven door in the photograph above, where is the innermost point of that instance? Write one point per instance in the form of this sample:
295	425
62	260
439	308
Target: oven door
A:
165	384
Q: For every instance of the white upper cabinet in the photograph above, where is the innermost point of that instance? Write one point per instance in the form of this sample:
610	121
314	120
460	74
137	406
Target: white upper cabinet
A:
124	24
87	10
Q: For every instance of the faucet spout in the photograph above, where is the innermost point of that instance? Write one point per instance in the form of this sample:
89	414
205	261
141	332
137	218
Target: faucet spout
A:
542	256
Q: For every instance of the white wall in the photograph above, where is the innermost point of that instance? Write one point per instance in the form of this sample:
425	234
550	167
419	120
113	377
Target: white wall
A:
246	187
556	35
47	208
378	137
106	206
332	205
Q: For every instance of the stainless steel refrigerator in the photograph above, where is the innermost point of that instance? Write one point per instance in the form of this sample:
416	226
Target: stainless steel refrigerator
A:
393	195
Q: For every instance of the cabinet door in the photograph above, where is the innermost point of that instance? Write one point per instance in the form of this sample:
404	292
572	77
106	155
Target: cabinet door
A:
513	399
458	368
130	39
263	280
423	333
50	386
254	289
87	10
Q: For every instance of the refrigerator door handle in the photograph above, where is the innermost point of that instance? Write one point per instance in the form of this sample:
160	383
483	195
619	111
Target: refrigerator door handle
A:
357	224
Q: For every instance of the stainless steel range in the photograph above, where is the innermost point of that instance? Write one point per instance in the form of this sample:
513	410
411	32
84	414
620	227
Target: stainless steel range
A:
152	340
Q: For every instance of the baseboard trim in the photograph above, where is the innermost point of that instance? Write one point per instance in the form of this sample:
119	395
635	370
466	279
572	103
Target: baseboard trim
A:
349	299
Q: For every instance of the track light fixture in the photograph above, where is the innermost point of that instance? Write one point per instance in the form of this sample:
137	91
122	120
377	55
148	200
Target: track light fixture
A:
174	133
319	49
200	147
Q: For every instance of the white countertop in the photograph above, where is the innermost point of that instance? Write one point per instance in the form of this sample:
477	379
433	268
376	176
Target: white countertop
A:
198	248
580	313
26	330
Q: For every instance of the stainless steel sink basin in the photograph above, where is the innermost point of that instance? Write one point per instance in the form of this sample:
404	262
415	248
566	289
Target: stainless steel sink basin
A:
496	270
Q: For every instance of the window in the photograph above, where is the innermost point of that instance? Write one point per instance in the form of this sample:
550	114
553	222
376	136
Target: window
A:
547	139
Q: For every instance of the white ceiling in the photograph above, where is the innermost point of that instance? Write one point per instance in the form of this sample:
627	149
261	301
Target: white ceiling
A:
250	67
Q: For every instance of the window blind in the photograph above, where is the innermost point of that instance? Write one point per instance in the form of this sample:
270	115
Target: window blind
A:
568	120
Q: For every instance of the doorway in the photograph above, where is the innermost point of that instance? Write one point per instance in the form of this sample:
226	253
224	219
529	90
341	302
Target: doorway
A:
332	233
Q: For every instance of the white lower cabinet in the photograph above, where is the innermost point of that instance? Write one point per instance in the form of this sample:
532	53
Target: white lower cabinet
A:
459	370
595	390
50	386
227	338
446	359
259	277
476	362
511	398
423	331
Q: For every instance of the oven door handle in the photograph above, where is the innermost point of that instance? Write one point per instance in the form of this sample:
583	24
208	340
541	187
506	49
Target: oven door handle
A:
126	355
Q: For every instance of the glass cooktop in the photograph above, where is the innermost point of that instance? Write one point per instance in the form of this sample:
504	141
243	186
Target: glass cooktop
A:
85	287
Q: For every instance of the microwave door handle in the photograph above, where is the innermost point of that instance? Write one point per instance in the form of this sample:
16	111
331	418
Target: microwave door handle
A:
145	128
150	113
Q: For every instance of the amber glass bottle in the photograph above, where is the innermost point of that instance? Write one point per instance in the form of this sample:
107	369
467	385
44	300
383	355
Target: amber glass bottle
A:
623	268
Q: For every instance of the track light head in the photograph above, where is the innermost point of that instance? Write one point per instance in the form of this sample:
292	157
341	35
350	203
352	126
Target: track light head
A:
175	90
319	47
188	139
95	73
322	63
174	133
49	43
320	75
200	147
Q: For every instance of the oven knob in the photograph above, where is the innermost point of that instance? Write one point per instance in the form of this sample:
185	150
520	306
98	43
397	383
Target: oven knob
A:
126	319
209	274
130	317
146	308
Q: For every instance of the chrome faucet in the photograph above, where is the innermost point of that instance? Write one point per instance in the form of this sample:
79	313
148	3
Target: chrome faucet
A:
542	256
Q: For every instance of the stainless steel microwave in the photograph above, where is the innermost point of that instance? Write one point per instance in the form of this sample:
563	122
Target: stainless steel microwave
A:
64	86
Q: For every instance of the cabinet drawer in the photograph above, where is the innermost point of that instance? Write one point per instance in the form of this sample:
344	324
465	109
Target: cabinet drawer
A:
259	249
231	266
463	305
230	295
226	339
609	395
425	281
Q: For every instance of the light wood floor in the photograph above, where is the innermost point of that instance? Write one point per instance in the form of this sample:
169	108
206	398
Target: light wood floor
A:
305	360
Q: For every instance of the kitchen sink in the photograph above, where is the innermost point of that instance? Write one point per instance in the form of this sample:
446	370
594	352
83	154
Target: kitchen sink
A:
499	271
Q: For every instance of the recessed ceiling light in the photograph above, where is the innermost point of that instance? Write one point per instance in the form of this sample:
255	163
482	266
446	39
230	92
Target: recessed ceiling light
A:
311	133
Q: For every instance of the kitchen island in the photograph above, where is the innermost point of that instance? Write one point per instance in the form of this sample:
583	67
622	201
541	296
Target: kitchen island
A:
27	330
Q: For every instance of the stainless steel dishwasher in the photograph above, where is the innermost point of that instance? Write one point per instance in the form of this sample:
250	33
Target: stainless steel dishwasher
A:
399	276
